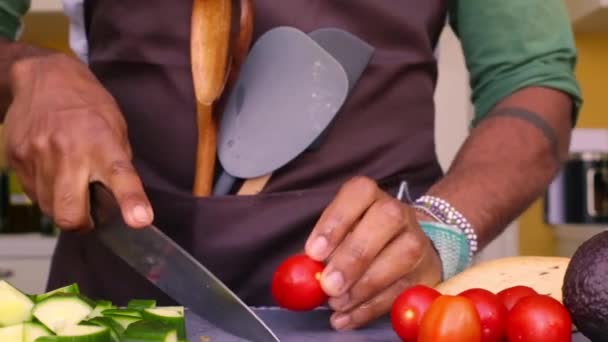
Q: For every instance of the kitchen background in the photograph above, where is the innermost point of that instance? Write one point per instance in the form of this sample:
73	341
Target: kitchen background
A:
25	256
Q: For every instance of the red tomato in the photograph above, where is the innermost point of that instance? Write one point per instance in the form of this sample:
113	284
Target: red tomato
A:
296	284
451	318
539	318
408	310
492	313
512	295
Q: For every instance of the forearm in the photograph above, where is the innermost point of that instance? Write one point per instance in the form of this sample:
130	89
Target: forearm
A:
11	53
508	160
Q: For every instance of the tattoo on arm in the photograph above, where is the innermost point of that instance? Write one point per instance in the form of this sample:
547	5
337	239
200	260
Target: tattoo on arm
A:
537	121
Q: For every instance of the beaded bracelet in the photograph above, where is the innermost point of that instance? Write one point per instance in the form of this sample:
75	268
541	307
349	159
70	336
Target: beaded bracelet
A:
443	212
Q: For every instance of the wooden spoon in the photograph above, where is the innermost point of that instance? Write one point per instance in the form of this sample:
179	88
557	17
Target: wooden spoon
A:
243	42
210	54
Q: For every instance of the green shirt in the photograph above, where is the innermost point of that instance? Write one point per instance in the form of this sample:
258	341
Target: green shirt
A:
508	45
512	44
11	12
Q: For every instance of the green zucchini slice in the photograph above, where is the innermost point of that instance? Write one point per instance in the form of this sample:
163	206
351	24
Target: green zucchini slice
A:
70	289
79	333
173	316
15	307
14	333
150	331
62	311
31	331
141	304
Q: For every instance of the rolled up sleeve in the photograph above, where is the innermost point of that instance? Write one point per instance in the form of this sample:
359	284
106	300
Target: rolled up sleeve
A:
510	45
11	14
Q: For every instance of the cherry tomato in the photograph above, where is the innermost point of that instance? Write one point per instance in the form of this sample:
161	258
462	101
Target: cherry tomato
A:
539	318
451	318
408	310
512	295
492	313
296	284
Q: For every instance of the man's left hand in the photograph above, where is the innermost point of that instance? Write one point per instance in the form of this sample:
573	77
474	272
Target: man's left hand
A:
374	249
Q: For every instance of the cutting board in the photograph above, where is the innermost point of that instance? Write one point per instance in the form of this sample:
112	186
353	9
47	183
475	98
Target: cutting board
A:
311	326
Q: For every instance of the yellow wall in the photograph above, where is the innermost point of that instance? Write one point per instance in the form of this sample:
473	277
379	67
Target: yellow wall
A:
49	30
536	237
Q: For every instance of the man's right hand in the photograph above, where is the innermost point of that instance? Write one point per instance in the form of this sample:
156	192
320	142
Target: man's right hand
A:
64	131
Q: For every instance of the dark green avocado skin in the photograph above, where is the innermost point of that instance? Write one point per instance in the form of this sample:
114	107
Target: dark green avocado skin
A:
585	288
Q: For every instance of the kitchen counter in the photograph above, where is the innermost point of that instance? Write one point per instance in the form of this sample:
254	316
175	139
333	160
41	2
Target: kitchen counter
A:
25	260
26	245
309	326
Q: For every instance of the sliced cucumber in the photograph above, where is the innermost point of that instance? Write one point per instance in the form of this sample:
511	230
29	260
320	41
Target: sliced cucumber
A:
172	316
79	333
65	315
124	317
121	312
179	309
124	321
86	333
14	333
116	330
15	307
100	306
31	331
140	304
150	331
62	311
71	289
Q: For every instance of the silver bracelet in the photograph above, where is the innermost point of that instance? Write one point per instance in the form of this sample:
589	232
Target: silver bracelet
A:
443	212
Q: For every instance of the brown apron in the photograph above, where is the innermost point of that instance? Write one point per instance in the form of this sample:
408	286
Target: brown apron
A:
139	50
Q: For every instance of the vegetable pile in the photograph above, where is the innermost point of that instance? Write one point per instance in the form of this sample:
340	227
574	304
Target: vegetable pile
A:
65	315
517	313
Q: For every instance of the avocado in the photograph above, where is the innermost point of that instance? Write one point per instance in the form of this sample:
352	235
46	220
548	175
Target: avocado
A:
585	288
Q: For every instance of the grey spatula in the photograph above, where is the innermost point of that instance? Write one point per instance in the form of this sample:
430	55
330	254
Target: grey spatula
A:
289	90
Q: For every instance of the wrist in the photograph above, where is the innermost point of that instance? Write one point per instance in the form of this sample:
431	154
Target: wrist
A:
422	216
443	212
25	61
450	232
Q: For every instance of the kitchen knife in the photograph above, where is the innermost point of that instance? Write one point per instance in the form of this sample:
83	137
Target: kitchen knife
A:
168	266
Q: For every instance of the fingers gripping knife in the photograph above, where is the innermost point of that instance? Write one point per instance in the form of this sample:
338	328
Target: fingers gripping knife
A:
221	32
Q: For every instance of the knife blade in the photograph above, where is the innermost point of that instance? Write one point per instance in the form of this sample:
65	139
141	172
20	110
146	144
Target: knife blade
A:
173	270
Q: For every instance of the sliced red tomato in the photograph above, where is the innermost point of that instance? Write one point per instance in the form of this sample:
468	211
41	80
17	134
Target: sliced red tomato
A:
296	284
492	313
539	318
512	295
451	318
409	308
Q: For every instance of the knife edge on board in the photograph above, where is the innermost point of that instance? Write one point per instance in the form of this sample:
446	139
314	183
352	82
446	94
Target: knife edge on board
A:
169	267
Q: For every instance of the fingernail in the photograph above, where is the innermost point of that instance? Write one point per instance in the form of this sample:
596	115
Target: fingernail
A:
334	282
338	303
318	247
341	321
140	214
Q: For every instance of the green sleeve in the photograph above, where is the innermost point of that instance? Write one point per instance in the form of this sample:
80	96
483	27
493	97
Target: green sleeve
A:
11	12
512	44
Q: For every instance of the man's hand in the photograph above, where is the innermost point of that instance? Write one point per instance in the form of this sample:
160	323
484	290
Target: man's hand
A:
374	249
63	131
